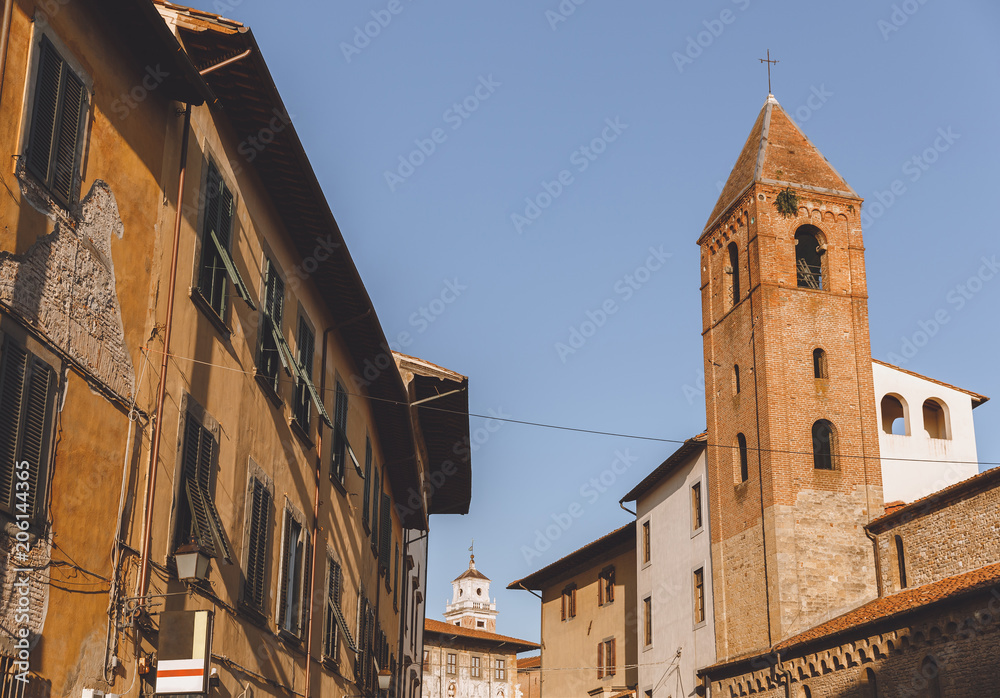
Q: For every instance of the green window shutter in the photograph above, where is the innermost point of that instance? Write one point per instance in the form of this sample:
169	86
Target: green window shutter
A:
269	357
386	534
234	275
286	558
341	446
256	572
206	526
13	366
305	567
376	494
395	578
365	505
38	407
44	111
64	160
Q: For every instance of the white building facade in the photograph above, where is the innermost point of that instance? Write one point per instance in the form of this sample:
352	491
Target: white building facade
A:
674	574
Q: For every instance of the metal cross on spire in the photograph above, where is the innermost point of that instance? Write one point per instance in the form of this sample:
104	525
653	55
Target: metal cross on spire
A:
769	62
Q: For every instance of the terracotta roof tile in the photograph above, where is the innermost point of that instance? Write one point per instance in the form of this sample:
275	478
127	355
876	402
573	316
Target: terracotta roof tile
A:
532	662
977	399
689	447
442	628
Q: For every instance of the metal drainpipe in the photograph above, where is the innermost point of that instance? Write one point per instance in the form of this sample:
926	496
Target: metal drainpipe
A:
315	526
142	584
8	9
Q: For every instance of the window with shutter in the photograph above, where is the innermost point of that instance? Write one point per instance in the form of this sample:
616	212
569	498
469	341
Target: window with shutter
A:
28	389
302	397
57	121
294	582
270	359
338	463
600	660
386	535
256	566
198	519
217	266
395	579
366	505
331	636
376	498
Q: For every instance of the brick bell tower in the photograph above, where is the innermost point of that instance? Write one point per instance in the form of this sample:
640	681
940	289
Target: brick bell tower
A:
794	470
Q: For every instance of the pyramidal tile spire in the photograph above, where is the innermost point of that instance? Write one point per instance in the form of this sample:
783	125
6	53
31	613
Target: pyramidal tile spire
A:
778	153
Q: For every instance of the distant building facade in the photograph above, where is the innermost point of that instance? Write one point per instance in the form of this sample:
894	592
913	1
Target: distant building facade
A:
589	622
461	657
529	676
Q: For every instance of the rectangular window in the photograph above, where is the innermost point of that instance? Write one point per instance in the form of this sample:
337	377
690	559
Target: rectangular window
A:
645	541
197	517
569	602
303	399
338	462
476	669
427	660
366	504
609	657
696	506
452	663
385	545
376	498
57	121
217	265
270	355
500	670
28	388
395	579
294	582
255	586
699	595
331	632
647	619
606	586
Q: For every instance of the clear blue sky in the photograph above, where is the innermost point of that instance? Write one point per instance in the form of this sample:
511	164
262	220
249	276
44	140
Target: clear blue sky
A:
882	84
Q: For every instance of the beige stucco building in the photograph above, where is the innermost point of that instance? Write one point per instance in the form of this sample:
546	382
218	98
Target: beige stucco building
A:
183	343
588	618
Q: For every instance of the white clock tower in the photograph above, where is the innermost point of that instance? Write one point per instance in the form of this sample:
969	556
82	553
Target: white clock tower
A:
470	605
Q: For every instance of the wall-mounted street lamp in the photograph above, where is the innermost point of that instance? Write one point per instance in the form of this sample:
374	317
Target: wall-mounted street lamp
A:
192	562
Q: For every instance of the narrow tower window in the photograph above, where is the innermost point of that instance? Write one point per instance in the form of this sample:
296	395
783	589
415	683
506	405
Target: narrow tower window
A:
741	469
869	683
736	379
819	364
901	562
734	265
935	420
930	670
894	416
809	254
823	445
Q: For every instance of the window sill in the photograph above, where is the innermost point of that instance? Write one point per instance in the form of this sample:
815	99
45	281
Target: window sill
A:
301	433
208	311
252	614
331	664
339	485
264	382
294	642
698	531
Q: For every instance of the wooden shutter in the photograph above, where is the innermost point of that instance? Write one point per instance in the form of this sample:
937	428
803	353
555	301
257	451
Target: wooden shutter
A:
612	663
386	534
13	366
600	660
305	574
257	549
366	505
60	99
64	160
564	599
611	585
376	495
199	447
285	571
338	463
572	602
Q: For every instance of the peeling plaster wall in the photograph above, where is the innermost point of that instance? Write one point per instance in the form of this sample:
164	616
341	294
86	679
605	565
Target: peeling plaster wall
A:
64	285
